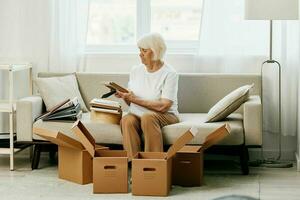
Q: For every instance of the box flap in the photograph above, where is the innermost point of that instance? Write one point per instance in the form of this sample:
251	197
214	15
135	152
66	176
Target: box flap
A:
58	138
97	146
181	141
84	137
189	148
216	136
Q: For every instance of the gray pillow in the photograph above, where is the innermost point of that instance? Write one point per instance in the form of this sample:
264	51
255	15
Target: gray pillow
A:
228	104
54	90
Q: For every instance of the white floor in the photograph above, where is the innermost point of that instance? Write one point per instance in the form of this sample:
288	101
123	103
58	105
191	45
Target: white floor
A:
221	178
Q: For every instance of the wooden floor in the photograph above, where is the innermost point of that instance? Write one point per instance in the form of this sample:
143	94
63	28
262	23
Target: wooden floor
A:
221	178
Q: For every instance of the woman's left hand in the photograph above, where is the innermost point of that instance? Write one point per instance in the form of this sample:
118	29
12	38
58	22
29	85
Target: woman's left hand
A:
127	96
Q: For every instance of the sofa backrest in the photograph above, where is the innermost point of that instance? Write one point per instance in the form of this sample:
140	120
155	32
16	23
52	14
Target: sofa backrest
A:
197	93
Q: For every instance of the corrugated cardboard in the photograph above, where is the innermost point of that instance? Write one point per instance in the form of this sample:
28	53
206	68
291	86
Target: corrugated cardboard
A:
75	165
110	167
110	172
151	171
103	117
188	163
74	162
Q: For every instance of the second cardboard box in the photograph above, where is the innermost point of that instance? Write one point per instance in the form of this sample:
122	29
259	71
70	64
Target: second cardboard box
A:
110	167
188	163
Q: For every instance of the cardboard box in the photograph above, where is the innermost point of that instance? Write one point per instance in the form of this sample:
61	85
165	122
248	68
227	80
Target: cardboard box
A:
188	163
104	117
187	167
110	167
74	162
151	171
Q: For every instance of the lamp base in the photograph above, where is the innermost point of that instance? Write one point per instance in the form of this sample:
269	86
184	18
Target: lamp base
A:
270	164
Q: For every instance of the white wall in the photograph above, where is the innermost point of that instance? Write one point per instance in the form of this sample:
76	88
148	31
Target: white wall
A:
23	36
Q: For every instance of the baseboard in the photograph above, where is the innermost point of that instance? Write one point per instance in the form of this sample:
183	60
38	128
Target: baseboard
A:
297	161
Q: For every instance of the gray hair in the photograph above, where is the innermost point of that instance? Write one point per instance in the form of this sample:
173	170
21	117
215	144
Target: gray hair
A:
155	42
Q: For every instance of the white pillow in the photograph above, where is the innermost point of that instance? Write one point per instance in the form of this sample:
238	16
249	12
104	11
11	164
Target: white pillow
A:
54	90
228	104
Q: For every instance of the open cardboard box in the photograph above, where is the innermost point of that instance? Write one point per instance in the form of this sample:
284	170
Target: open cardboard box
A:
104	117
110	167
188	162
151	171
74	162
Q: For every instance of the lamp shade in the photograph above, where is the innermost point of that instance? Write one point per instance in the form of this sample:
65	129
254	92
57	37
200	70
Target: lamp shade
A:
271	9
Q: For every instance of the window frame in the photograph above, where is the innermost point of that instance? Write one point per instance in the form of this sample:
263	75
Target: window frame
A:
143	26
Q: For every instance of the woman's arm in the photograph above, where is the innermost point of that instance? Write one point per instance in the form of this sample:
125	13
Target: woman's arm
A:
162	105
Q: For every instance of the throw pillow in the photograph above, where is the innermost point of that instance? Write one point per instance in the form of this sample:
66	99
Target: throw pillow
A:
54	90
228	104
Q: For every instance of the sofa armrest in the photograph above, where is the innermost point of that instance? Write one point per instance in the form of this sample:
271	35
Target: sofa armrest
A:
28	109
252	120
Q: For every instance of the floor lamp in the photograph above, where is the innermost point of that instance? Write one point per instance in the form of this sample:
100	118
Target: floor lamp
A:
272	10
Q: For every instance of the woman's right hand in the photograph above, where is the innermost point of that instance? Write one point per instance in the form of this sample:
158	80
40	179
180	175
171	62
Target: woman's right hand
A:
125	96
117	94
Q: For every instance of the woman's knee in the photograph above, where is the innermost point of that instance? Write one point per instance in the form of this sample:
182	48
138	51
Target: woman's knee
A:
128	120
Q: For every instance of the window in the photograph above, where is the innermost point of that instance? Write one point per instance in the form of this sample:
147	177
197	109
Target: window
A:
111	22
176	20
115	25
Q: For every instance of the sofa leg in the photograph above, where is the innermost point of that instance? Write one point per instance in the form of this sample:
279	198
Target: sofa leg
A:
36	156
52	156
244	158
31	148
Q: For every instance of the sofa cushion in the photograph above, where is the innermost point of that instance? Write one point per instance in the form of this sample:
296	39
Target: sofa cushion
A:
111	133
187	120
229	104
54	90
103	133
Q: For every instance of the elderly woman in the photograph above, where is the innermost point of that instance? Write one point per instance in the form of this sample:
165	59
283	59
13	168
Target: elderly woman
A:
152	98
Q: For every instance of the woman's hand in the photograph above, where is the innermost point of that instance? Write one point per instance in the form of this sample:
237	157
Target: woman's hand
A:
161	105
128	97
117	95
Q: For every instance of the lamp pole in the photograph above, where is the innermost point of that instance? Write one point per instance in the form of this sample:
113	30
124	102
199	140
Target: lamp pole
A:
273	162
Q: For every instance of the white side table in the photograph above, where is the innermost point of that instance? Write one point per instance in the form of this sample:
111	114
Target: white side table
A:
9	105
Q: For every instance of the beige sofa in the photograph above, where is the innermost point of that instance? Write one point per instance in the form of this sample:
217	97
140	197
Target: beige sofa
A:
197	93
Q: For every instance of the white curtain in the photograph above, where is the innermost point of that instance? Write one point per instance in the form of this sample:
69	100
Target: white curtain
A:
23	36
24	31
231	44
68	30
48	33
286	51
289	57
228	43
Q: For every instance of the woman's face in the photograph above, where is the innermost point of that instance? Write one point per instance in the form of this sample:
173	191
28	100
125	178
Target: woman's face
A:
146	56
